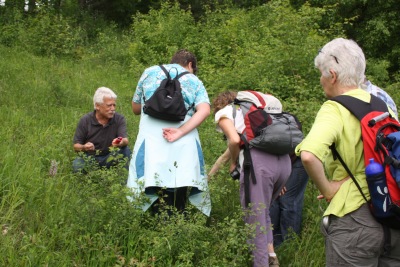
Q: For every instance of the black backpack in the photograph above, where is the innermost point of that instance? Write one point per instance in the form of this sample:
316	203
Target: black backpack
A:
167	101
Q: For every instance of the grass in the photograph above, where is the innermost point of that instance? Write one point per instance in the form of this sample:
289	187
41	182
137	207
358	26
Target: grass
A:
59	219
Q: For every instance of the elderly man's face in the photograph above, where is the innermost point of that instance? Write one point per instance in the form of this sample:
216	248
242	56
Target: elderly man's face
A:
107	108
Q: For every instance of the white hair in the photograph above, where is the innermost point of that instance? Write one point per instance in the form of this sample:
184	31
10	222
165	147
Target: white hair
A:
345	58
102	92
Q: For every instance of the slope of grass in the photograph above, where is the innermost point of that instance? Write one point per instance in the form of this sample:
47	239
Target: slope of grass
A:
59	219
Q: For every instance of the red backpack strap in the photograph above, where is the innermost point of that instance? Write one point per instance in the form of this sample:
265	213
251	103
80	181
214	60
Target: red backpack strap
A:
259	97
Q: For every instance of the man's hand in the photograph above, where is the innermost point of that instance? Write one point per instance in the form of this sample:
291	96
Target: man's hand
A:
116	142
88	146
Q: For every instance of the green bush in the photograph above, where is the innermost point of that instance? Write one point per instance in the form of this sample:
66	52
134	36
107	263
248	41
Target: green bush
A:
51	66
158	35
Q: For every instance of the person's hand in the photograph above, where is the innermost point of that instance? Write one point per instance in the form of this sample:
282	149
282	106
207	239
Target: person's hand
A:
172	134
116	142
283	191
88	146
232	167
334	187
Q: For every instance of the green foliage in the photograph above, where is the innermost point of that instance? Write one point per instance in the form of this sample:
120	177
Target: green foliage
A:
52	35
379	35
159	35
43	34
110	47
12	24
373	24
304	248
251	51
240	49
51	65
50	217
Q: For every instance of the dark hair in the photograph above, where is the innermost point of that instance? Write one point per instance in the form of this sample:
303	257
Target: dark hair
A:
223	99
183	57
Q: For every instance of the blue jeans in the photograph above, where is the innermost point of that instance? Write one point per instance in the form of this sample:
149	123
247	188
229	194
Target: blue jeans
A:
79	163
286	210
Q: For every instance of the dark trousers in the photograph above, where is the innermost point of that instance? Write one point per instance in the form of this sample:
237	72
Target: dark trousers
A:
80	163
168	198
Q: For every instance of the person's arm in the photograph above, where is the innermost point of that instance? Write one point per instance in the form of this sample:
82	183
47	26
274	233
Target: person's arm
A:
120	123
80	141
315	170
233	138
85	147
136	108
139	93
224	158
116	143
173	134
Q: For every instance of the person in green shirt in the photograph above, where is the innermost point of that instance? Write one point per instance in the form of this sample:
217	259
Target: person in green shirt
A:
352	236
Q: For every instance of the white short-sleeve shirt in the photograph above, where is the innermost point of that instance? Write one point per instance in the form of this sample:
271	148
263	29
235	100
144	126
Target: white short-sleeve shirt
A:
227	112
238	121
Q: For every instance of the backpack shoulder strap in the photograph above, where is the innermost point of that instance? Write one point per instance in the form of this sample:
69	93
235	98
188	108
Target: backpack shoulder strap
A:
248	171
181	74
244	106
360	108
165	71
169	76
259	97
233	112
336	155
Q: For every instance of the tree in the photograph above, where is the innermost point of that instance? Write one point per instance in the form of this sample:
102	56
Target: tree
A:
15	4
373	24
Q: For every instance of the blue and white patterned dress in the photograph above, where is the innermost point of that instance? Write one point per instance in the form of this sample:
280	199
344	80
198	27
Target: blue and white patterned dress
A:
158	163
376	91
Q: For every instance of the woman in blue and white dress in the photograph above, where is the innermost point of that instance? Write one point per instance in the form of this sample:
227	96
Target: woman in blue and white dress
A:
167	156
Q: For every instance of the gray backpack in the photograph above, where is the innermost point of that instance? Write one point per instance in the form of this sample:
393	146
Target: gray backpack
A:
266	128
274	132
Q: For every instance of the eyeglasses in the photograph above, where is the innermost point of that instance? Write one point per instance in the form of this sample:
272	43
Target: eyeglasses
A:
336	59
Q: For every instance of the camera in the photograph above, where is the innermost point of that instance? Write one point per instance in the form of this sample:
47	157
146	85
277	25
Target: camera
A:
235	174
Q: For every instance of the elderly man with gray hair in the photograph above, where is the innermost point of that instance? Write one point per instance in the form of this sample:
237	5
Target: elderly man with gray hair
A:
100	130
352	236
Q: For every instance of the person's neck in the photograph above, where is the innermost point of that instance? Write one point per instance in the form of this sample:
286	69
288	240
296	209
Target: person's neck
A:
102	120
345	89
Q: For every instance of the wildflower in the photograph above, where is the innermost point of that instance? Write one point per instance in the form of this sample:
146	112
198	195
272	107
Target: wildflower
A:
53	168
4	229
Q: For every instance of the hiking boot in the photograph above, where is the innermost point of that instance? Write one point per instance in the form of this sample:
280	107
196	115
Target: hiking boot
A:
273	261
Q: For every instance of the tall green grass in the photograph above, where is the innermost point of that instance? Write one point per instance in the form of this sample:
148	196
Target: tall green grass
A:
60	219
53	218
49	70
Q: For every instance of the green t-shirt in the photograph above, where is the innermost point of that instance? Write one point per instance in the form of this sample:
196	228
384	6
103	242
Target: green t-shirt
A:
335	124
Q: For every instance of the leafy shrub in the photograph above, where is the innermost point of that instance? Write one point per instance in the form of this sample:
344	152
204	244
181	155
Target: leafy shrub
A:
69	220
11	25
158	35
110	47
251	50
49	34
